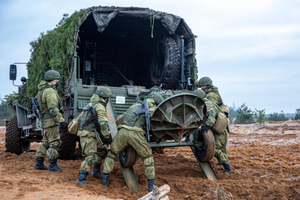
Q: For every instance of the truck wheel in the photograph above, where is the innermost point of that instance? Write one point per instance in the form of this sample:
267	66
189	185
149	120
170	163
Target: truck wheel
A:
128	156
67	148
13	137
207	150
165	66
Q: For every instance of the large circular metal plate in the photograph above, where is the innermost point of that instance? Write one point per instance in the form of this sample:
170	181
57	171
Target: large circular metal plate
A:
178	117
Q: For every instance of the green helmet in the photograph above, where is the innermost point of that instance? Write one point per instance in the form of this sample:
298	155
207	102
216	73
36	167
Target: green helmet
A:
103	92
156	96
204	81
200	93
50	75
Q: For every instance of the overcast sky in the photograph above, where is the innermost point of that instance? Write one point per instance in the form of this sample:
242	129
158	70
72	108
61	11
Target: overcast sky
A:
250	49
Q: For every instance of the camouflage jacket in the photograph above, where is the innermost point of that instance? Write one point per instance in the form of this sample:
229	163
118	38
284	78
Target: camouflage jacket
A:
212	112
213	95
100	109
134	122
49	103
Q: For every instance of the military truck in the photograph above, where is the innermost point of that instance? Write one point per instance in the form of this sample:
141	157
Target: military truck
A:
128	49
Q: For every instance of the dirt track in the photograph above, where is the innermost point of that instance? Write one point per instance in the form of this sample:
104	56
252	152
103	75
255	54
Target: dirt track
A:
265	160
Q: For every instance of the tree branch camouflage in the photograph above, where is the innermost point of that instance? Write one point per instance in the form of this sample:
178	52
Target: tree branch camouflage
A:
54	50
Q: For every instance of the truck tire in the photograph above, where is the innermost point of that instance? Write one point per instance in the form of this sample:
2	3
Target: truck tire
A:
165	65
128	156
67	148
13	137
207	151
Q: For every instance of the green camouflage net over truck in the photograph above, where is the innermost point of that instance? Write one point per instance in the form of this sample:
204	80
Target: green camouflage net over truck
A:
54	50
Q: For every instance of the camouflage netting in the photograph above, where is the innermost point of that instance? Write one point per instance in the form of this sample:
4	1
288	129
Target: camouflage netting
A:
54	50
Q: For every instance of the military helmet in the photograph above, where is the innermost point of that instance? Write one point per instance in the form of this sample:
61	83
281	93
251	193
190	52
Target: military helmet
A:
50	75
103	92
200	93
156	96
204	81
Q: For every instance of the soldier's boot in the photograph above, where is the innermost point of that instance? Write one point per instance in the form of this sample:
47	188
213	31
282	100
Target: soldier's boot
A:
53	166
227	167
151	183
40	164
82	178
105	179
96	171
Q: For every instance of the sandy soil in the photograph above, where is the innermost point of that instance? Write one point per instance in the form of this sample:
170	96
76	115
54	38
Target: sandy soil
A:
265	160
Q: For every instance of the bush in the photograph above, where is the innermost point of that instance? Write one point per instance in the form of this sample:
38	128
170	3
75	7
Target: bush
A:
260	116
5	111
244	115
277	117
297	114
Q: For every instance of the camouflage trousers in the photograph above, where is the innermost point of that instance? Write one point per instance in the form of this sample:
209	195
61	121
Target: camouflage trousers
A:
50	143
94	152
137	140
221	149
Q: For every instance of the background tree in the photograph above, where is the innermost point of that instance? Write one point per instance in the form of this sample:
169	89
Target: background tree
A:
244	115
260	116
277	117
297	114
5	111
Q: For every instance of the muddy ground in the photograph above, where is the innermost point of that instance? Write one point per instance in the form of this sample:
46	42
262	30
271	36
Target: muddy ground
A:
265	160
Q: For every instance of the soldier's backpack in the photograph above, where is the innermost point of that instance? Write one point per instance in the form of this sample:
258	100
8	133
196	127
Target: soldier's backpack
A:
221	123
75	123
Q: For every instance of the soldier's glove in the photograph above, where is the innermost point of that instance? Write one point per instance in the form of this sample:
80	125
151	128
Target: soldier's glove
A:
107	141
205	128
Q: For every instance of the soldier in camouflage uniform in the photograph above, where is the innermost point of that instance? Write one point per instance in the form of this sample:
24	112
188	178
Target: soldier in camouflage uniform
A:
92	145
131	132
212	92
220	139
50	107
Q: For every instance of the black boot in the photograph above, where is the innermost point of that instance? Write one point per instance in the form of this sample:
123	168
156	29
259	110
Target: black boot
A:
105	179
227	167
40	163
96	171
151	183
82	178
53	166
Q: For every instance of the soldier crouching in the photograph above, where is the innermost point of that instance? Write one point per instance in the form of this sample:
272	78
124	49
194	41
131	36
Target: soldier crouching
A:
91	143
131	133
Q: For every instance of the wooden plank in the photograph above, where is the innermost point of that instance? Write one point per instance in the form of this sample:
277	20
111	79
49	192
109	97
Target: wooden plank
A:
128	172
206	167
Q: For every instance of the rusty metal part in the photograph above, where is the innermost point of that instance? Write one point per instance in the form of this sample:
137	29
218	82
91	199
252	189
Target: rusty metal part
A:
177	117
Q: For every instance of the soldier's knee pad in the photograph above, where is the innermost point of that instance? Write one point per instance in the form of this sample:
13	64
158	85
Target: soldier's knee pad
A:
91	158
149	161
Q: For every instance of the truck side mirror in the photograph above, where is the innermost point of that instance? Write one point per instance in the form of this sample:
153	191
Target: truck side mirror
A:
13	72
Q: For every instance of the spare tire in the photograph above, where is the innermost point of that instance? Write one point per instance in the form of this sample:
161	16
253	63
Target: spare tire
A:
165	64
13	137
67	148
207	150
128	156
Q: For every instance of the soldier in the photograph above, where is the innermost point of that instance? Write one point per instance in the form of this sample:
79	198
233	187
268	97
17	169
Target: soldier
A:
92	146
50	107
220	139
131	133
212	92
